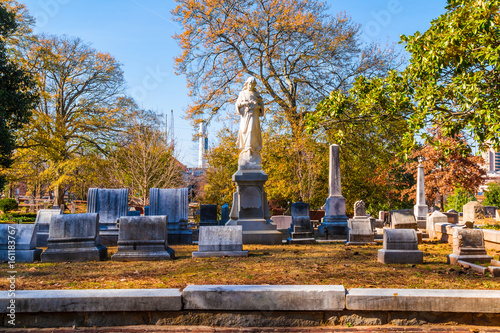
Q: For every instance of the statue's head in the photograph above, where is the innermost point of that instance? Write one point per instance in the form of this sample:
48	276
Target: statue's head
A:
250	83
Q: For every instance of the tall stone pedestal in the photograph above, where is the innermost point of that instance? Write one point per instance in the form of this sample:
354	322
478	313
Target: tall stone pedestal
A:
251	210
421	209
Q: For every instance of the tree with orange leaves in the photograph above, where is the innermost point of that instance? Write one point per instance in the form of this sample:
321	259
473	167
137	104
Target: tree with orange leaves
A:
296	49
446	168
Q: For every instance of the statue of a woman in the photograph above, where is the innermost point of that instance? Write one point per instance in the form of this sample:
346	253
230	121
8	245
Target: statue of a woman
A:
250	106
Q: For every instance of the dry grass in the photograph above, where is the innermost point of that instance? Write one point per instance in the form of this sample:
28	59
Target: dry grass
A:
331	263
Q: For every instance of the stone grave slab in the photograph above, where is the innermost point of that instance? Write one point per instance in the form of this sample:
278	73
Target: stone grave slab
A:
468	245
400	247
220	241
43	223
22	239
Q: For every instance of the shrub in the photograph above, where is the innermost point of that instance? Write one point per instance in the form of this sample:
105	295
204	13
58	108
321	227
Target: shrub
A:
492	195
458	199
8	204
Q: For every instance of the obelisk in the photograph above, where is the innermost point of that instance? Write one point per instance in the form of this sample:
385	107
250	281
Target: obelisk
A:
420	210
334	224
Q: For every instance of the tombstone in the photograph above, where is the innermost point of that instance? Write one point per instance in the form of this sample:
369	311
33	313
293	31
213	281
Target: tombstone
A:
220	241
301	224
473	211
73	208
208	215
497	215
360	232
436	217
468	245
43	223
224	214
384	216
21	238
283	222
133	213
143	238
452	216
111	204
74	237
174	204
146	210
490	211
334	224
403	219
400	247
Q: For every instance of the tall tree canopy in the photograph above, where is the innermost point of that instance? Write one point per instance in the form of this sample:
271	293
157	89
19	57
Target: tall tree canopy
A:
452	81
296	49
82	106
18	95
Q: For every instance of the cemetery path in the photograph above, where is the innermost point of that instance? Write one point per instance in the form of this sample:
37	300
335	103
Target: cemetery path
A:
207	329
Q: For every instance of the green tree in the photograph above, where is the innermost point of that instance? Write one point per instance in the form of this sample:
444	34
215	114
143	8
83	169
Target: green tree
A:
451	82
458	199
492	195
17	89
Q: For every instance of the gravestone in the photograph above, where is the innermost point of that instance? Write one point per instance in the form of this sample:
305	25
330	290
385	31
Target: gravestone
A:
134	213
174	204
360	228
146	210
301	225
220	241
74	237
435	217
497	215
224	214
468	245
490	211
18	243
43	223
208	215
452	216
111	204
400	247
283	222
473	211
334	224
420	209
403	219
143	238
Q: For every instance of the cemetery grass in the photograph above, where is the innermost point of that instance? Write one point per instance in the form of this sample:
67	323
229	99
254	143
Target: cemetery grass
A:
325	264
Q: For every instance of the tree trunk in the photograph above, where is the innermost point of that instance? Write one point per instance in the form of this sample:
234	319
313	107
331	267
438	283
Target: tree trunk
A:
58	196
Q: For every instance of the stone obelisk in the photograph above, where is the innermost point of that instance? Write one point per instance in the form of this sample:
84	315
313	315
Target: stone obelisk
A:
334	224
420	210
250	207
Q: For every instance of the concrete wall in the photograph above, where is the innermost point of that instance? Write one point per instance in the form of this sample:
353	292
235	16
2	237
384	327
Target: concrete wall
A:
226	305
444	232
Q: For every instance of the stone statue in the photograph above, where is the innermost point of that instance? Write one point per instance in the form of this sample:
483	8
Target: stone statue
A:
250	106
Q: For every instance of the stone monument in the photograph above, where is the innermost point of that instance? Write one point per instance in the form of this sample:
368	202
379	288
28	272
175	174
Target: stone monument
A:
301	225
174	204
360	228
43	223
468	245
220	241
111	204
208	215
334	224
435	217
143	238
421	209
250	208
400	247
473	211
23	237
403	219
74	237
224	214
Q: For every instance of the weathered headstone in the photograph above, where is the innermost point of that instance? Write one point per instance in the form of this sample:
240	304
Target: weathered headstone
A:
452	216
283	222
224	214
490	211
143	238
174	204
400	247
111	204
43	223
74	237
403	219
435	217
334	224
468	245
134	213
420	209
301	225
220	241
360	228
18	243
473	211
208	215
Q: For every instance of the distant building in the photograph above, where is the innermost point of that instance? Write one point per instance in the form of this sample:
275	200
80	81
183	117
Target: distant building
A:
492	167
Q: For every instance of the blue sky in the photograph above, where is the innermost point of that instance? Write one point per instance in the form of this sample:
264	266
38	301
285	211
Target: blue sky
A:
138	33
